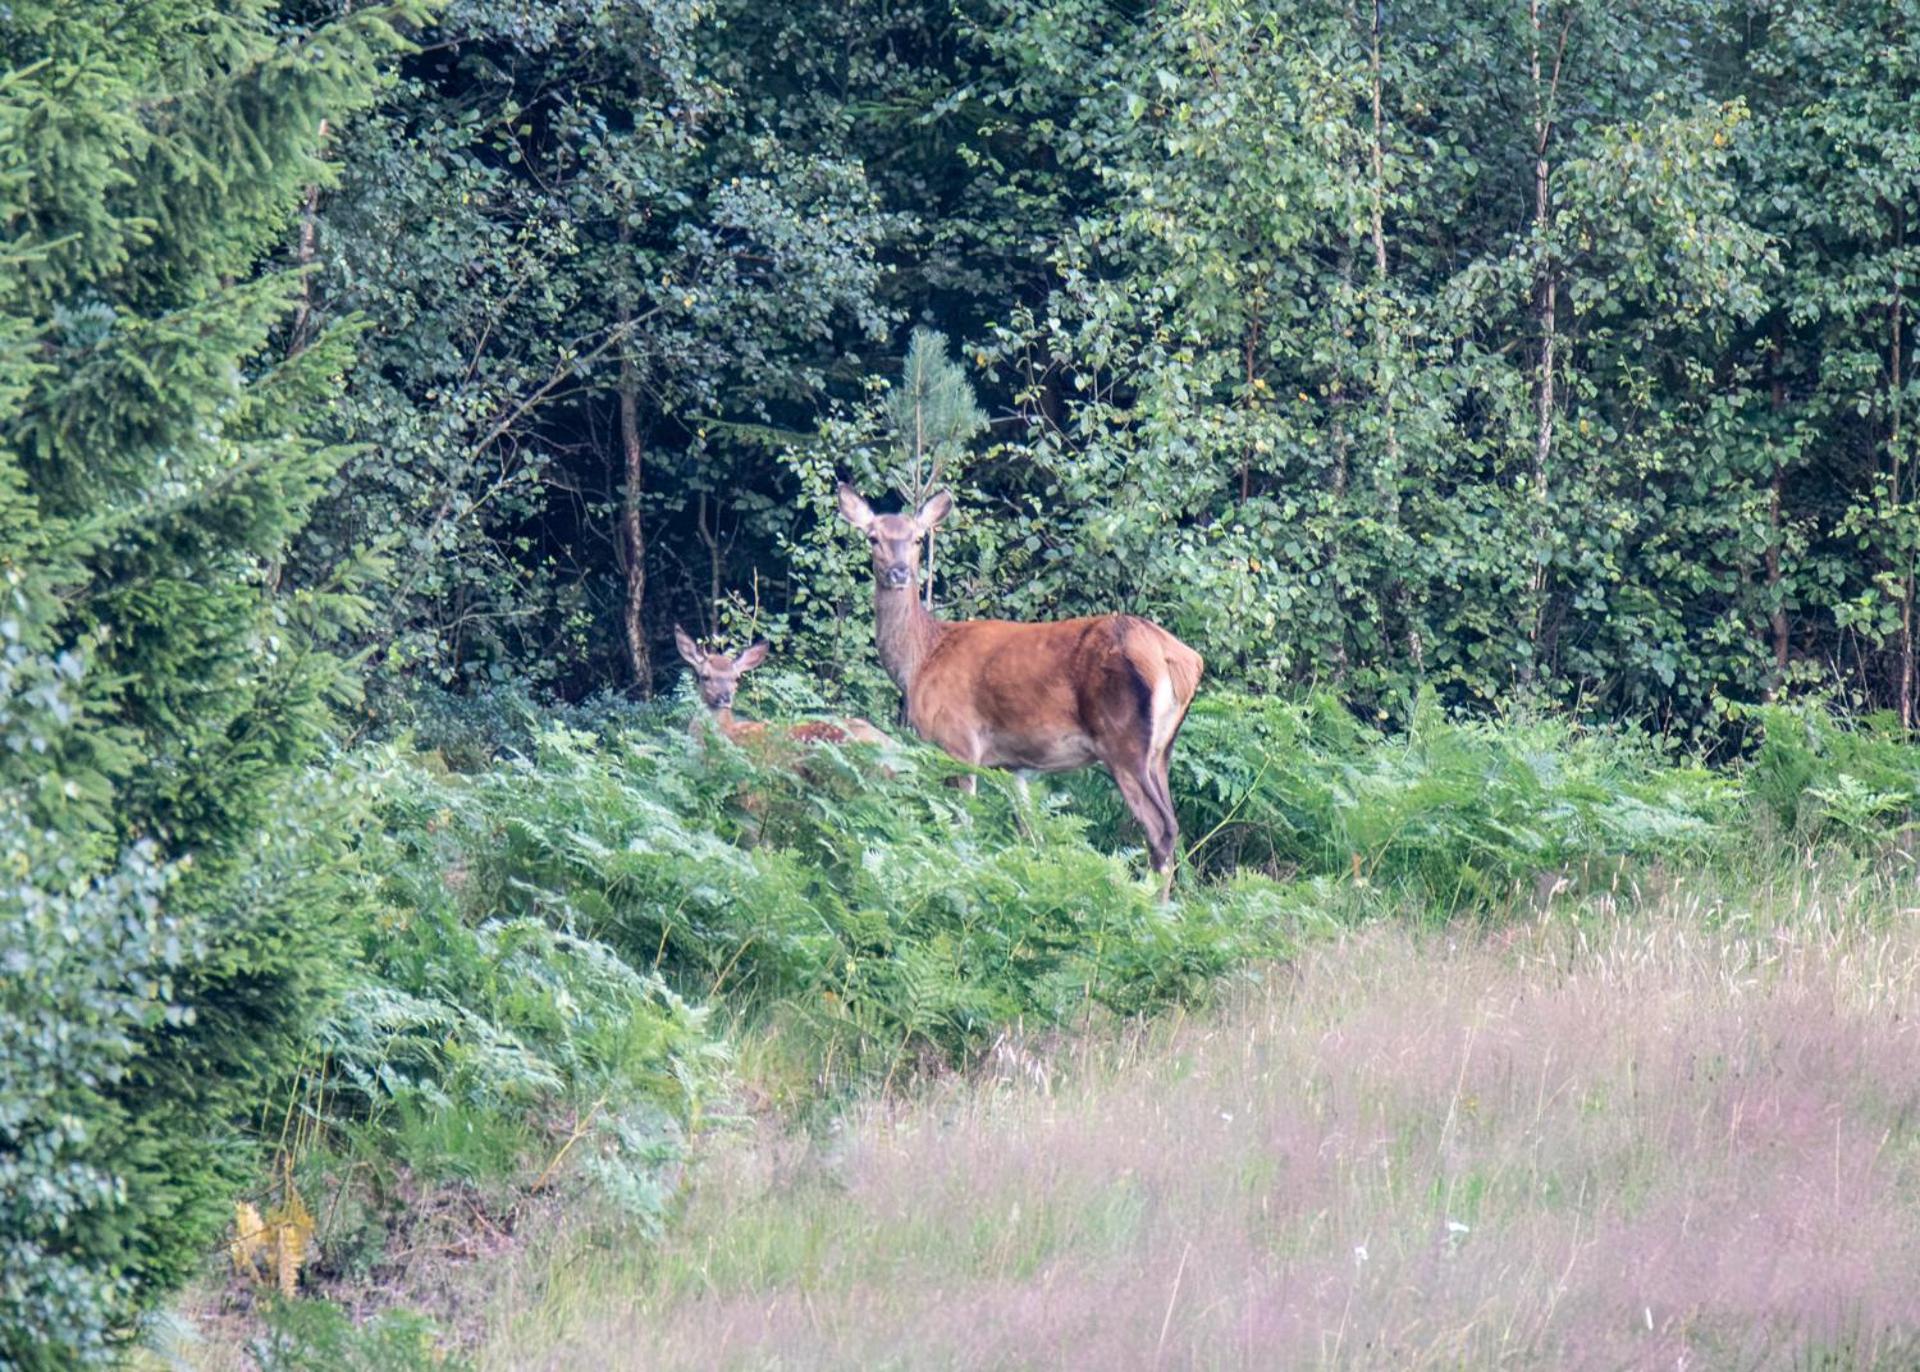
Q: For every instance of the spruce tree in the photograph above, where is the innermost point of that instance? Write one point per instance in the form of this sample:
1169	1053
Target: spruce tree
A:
934	416
159	693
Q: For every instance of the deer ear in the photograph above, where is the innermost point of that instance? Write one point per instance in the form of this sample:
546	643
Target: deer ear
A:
853	509
750	659
688	648
933	512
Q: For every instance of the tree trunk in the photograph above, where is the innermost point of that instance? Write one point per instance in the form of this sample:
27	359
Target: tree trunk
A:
1546	294
303	257
711	537
1378	157
923	484
1385	375
1338	481
633	529
633	533
1777	616
1253	404
1896	312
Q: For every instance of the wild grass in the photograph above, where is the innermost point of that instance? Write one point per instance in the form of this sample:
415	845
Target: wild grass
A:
1685	1134
586	941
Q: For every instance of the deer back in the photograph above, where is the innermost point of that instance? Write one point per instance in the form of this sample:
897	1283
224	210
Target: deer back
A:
1053	696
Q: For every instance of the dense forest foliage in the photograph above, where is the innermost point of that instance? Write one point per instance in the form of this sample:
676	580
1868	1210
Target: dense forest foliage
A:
1477	344
1484	345
355	357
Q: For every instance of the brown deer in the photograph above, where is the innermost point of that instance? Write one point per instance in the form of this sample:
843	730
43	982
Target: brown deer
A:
718	676
1112	689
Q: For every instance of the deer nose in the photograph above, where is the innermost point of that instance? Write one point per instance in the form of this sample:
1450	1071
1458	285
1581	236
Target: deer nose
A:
896	576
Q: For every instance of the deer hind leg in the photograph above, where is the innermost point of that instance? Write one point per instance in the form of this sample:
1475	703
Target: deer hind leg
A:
1169	715
1165	715
966	749
1156	784
1136	790
1162	798
1022	802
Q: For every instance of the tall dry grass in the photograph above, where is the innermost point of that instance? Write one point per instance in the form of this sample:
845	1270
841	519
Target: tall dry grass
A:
1687	1136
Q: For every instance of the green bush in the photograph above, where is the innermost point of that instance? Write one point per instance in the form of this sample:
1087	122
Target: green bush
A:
1823	777
462	1049
480	1047
1453	810
318	1336
162	686
86	974
889	913
145	1013
471	730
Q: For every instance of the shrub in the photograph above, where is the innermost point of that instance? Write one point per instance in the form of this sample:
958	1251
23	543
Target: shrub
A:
1453	810
86	973
144	1013
889	914
497	1051
463	1047
157	452
471	730
1821	776
312	1335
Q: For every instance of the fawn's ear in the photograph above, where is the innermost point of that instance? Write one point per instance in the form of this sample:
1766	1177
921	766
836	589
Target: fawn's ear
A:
853	509
750	659
933	512
688	648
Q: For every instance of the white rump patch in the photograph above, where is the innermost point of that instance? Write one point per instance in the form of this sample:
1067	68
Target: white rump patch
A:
1165	711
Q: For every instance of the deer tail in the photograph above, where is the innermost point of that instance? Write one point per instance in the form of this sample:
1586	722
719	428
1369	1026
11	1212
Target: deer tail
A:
1184	666
1168	673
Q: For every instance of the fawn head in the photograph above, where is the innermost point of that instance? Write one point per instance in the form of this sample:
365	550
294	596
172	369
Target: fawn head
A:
717	673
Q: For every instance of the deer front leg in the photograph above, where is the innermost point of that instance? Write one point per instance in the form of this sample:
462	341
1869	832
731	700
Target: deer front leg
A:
965	747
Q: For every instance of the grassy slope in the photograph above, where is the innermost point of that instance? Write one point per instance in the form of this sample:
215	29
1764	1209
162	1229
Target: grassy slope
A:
863	934
1679	1135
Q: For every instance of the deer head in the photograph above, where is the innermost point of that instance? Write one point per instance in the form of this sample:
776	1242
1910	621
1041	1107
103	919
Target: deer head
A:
718	674
894	539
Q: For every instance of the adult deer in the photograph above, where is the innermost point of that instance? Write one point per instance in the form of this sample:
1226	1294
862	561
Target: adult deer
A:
1112	689
718	676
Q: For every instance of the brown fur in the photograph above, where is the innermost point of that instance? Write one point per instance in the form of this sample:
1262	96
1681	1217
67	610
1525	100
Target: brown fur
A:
1051	697
718	676
850	730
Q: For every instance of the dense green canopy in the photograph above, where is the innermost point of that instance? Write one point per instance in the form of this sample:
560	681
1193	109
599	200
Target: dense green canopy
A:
1483	344
164	924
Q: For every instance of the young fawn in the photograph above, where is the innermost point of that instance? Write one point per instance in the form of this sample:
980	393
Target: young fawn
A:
718	676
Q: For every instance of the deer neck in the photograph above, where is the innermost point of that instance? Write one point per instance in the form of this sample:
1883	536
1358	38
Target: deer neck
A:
905	633
720	721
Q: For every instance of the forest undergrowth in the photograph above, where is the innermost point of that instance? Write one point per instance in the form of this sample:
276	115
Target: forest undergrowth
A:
603	963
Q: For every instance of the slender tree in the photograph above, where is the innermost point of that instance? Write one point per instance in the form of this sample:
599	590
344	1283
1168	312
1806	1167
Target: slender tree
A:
934	415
